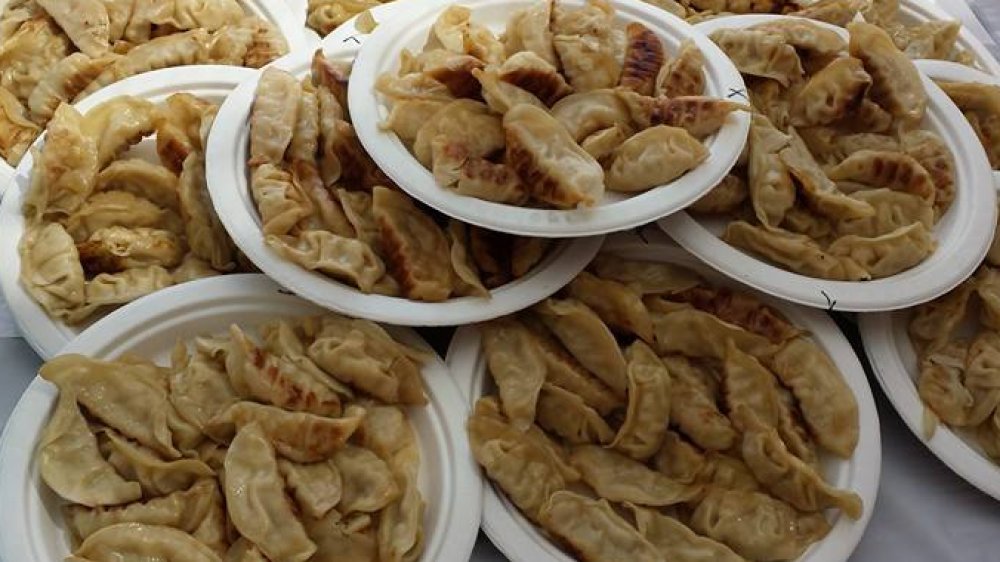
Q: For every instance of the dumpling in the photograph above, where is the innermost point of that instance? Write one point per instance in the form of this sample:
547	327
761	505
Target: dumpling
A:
108	209
191	14
654	157
16	131
585	113
178	49
85	22
757	526
888	254
616	304
461	130
205	235
179	131
815	40
796	252
644	56
836	12
135	541
818	189
784	475
199	387
593	530
930	40
930	151
35	47
893	209
535	75
483	179
368	483
772	100
683	329
548	160
256	501
281	201
339	257
649	398
751	386
126	286
759	53
157	477
453	70
934	322
693	409
676	541
298	436
585	42
830	93
51	270
583	333
645	277
65	169
500	96
115	249
680	460
528	30
700	116
684	75
896	83
618	478
893	170
517	368
565	414
602	144
742	309
273	117
941	388
142	179
71	464
407	116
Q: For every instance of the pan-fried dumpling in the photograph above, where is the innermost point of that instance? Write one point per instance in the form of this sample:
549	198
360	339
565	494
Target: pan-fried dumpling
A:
137	541
700	116
298	436
142	179
107	209
772	100
16	131
188	14
676	541
178	49
836	12
649	397
930	151
741	309
281	201
819	189
751	386
272	120
528	30
817	41
339	257
483	179
929	40
179	131
693	409
759	53
644	56
199	387
29	53
65	170
126	286
654	157
684	75
593	530
407	116
896	83
616	304
893	170
453	70
583	333
500	96
618	478
586	44
467	278
602	144
932	326
449	29
757	526
51	270
784	475
548	160
114	249
585	113
830	93
940	385
683	329
680	460
85	22
645	277
71	464
893	210
460	130
415	247
796	252
205	235
517	368
368	483
888	254
565	414
535	75
256	501
157	477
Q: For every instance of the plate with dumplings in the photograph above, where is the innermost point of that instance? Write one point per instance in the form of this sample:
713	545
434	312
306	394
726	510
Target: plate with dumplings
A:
307	204
68	51
228	429
862	188
581	387
113	205
520	117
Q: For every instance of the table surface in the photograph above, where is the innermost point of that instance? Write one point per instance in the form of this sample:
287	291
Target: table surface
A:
924	513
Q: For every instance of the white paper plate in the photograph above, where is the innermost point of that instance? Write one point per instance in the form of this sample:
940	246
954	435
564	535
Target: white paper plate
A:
449	480
616	212
281	14
45	334
961	244
521	541
228	184
912	12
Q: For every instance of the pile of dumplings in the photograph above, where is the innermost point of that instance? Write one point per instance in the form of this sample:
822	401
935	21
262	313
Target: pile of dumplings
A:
980	103
577	434
103	229
326	206
242	451
54	51
838	181
574	104
957	341
323	16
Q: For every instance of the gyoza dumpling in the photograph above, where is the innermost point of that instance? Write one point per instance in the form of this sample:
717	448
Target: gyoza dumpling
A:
593	529
119	123
51	270
272	119
65	170
837	12
684	75
460	130
119	208
649	397
500	96
16	131
693	408
517	368
85	22
549	161
157	477
528	30
483	179
585	113
896	83
180	131
256	501
725	197
681	328
199	387
830	93
930	151
29	53
772	100
930	40
644	56
280	200
680	460
888	254
699	115
618	478
342	258
759	53
415	247
451	69
893	170
817	187
645	277
126	286
135	541
583	333
893	209
190	14
368	484
142	179
933	324
205	235
408	116
71	464
618	305
178	49
565	414
532	73
676	541
751	386
586	43
815	40
654	157
114	249
772	191
796	252
742	309
756	525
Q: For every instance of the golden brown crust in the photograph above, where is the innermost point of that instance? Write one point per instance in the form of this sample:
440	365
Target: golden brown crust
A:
643	58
